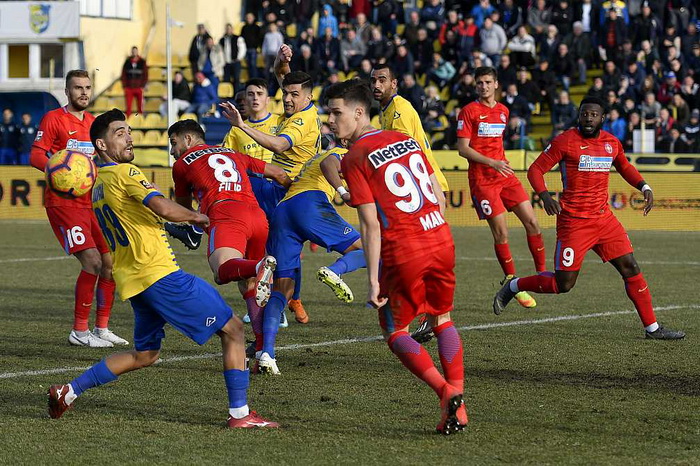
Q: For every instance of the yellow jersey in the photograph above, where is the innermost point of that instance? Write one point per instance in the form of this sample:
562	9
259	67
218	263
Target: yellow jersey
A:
399	115
135	235
311	177
303	131
237	140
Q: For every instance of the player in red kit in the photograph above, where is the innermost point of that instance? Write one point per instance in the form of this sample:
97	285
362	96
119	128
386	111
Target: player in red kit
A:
218	179
584	220
72	220
400	206
493	186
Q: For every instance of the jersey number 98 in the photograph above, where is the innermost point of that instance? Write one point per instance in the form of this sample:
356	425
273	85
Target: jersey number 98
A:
412	183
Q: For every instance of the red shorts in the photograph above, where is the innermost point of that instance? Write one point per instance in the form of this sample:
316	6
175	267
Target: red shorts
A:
576	236
76	229
495	198
237	225
425	285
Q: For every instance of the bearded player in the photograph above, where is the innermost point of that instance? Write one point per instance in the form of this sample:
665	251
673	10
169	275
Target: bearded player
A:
73	221
400	206
492	182
584	219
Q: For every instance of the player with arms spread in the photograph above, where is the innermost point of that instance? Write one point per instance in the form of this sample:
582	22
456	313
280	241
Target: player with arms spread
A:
492	182
397	114
218	177
296	142
130	211
584	219
72	220
401	206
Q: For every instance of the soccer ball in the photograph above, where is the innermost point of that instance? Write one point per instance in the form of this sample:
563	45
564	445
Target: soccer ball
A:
70	173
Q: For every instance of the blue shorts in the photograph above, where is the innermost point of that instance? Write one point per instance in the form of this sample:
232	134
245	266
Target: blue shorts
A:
308	216
268	193
184	301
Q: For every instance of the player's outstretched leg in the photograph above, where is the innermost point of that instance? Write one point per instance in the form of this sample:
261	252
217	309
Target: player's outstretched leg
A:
265	359
542	283
331	275
638	291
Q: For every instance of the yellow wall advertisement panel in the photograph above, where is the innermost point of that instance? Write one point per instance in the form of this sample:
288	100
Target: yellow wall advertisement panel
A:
676	207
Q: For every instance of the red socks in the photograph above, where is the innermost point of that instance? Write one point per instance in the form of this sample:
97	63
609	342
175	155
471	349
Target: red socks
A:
536	246
417	360
84	292
638	291
105	299
255	313
544	283
504	258
234	270
451	354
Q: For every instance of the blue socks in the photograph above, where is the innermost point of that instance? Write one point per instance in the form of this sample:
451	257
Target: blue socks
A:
237	382
271	321
97	375
349	262
297	284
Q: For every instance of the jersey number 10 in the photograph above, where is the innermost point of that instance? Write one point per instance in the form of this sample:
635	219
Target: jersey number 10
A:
412	183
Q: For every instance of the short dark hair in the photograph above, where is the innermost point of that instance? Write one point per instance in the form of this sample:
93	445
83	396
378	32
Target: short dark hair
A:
98	129
76	74
486	71
299	77
384	66
594	101
183	127
354	90
258	82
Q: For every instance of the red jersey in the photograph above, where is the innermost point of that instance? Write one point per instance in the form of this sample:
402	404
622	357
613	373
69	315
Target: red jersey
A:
214	173
484	127
585	171
59	129
389	169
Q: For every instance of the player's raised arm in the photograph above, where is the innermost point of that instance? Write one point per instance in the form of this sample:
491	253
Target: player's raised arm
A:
632	176
278	174
535	175
276	144
372	243
281	66
466	151
331	171
174	212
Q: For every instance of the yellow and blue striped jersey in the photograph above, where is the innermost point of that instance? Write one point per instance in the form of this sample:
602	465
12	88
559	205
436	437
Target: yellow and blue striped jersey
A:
237	140
311	177
135	235
303	131
399	115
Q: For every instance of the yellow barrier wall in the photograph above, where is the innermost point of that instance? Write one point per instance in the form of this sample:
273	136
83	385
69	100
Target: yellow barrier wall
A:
677	199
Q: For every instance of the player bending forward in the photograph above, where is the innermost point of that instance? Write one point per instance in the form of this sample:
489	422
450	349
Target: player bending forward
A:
218	176
130	209
492	184
401	207
584	219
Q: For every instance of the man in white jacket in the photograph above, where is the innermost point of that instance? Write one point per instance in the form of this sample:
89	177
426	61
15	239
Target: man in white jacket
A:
522	48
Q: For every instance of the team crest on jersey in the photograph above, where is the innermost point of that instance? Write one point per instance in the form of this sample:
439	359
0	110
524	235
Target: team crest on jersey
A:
134	172
608	148
590	163
298	121
39	17
503	117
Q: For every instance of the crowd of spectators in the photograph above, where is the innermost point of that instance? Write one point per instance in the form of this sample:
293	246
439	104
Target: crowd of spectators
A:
16	138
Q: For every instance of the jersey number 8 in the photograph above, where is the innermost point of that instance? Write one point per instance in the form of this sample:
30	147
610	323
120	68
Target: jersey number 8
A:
413	184
224	169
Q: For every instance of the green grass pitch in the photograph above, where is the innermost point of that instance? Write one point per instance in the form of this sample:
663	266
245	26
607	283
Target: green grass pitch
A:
587	390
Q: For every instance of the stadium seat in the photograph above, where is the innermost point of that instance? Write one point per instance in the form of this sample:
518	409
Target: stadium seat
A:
341	76
163	141
156	59
137	136
155	120
155	89
101	104
181	61
375	122
151	138
225	90
152	104
135	120
278	94
420	79
323	117
292	30
115	89
445	93
189	116
187	73
451	105
244	75
316	93
151	157
351	75
156	73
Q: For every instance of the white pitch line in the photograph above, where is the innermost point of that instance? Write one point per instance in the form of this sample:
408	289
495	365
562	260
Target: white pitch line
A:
347	341
33	259
642	262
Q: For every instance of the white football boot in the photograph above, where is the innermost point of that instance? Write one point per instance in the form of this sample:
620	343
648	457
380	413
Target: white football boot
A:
266	364
89	339
108	335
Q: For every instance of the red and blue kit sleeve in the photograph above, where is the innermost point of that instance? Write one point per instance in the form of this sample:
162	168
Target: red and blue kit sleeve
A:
464	123
625	168
551	155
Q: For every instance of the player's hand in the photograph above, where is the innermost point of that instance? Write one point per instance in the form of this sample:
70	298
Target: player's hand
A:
502	167
373	298
648	201
285	54
551	205
200	219
232	114
346	197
